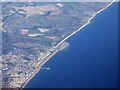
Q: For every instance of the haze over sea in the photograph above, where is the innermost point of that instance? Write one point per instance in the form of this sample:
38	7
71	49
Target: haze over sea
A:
90	62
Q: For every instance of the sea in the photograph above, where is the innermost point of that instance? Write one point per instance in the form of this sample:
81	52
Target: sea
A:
91	60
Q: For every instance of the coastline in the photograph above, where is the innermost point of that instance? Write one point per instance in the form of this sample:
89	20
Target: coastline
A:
39	68
88	22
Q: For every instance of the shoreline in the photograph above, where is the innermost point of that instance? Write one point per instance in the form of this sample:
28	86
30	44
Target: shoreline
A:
88	22
39	68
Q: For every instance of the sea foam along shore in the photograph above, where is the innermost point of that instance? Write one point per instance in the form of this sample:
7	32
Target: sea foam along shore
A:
66	39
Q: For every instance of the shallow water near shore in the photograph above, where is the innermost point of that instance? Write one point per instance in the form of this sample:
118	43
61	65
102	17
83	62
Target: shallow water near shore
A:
90	62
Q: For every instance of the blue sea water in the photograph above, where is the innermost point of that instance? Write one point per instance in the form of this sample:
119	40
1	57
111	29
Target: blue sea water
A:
90	62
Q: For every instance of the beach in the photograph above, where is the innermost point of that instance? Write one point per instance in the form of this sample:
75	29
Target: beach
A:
40	67
65	40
